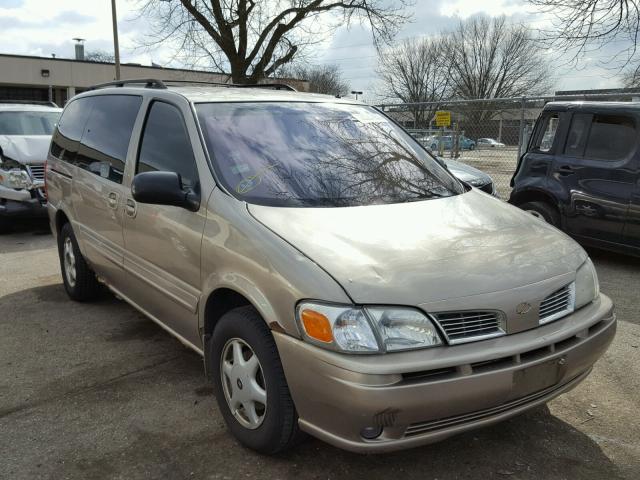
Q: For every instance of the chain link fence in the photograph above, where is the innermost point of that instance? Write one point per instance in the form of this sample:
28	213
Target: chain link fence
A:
489	135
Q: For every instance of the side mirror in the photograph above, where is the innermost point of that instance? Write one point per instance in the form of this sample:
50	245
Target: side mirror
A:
163	188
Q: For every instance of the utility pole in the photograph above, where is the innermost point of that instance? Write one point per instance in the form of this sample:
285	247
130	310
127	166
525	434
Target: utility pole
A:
116	47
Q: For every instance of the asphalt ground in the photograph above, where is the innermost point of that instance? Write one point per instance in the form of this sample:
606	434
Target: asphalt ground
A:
99	391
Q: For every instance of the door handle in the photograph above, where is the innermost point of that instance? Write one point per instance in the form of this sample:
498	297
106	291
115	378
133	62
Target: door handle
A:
566	170
112	200
131	207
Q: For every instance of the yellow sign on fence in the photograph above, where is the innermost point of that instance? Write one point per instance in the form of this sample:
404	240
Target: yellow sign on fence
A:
443	118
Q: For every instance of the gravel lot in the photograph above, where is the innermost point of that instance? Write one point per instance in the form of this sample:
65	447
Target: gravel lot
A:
98	391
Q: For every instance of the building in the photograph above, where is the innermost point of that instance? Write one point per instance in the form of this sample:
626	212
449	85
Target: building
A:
58	79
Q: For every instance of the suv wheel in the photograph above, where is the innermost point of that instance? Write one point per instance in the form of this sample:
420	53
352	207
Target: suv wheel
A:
79	280
543	211
249	383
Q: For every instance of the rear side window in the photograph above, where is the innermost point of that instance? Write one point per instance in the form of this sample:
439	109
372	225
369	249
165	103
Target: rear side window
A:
612	137
104	145
70	128
165	144
547	133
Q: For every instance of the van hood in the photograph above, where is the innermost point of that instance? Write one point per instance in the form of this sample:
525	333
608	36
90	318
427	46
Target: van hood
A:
26	149
426	251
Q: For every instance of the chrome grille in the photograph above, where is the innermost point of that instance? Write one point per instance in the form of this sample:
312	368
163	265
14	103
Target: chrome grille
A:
37	172
557	304
468	326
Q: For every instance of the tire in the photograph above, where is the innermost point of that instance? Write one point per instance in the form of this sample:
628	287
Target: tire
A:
434	146
4	226
276	428
543	211
79	280
472	147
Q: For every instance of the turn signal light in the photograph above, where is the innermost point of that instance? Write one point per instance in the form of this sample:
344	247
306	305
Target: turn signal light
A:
317	325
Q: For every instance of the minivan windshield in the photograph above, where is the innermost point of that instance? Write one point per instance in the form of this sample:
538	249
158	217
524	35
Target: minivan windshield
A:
28	123
318	154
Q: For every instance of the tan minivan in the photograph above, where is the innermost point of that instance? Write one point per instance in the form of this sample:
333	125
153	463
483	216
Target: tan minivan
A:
336	278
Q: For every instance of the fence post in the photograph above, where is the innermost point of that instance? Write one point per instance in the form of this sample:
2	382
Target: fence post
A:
521	133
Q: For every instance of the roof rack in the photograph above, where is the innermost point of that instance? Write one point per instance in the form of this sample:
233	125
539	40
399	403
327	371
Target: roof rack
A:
275	86
147	82
45	103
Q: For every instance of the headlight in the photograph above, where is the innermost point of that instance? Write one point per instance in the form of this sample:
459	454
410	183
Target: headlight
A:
404	328
366	329
587	286
16	179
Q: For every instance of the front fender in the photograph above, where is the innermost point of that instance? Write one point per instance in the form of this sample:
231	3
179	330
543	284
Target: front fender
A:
241	254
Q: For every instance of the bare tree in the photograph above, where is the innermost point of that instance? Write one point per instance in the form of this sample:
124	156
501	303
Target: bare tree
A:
418	70
583	25
325	79
254	38
491	59
100	56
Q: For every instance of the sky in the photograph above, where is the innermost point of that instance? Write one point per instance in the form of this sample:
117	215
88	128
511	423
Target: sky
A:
34	27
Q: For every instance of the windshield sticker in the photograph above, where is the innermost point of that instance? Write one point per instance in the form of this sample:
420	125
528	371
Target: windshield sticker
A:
250	183
242	168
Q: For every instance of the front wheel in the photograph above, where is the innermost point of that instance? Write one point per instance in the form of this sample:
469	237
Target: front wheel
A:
249	383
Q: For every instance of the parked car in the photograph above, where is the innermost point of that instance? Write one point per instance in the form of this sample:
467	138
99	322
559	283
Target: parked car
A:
581	173
25	134
447	143
337	280
470	175
489	143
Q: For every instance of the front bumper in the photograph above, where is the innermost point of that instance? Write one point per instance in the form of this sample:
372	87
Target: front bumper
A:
425	396
28	203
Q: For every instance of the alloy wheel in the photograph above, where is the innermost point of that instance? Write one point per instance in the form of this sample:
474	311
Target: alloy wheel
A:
243	383
69	262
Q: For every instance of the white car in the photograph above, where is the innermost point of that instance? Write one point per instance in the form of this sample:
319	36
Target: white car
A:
489	143
25	134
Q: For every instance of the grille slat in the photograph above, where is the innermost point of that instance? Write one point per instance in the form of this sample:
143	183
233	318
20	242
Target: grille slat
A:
37	171
557	304
551	305
465	326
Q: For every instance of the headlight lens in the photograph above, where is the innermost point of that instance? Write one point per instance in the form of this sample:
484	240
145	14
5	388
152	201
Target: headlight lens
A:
404	328
16	179
366	330
587	286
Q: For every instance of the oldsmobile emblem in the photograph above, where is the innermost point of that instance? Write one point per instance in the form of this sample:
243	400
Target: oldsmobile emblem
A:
523	308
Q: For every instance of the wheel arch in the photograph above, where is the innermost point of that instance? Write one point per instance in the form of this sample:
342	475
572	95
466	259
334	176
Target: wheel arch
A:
532	195
226	297
60	219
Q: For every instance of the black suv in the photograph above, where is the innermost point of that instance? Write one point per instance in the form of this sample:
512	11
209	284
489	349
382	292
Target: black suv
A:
581	172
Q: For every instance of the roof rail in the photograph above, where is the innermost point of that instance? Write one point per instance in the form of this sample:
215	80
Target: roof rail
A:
275	86
148	83
45	103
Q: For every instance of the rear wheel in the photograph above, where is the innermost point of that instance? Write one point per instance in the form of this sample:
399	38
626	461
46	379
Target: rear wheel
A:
543	211
79	280
249	383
